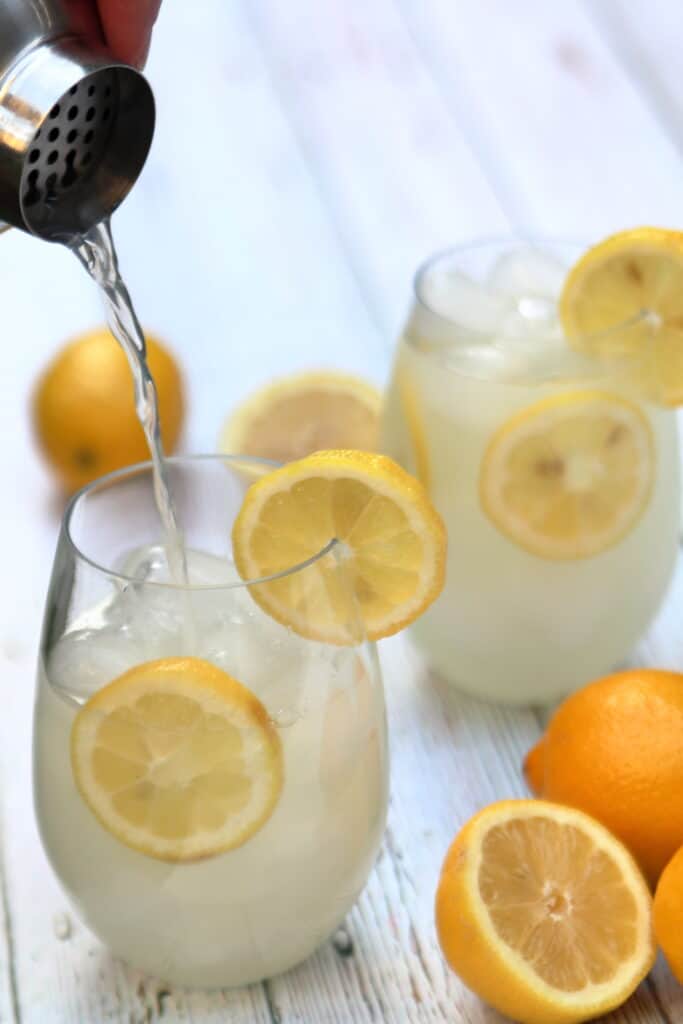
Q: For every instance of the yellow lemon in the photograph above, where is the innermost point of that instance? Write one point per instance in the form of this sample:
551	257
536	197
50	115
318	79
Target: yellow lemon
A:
304	413
84	410
632	281
177	760
392	544
543	913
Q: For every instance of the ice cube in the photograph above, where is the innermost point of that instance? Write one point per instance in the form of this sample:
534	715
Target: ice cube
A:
467	303
142	621
144	563
83	660
149	563
533	318
261	653
527	272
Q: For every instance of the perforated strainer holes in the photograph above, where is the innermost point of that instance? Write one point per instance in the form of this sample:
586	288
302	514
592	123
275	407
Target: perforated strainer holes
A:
71	140
51	188
32	195
70	174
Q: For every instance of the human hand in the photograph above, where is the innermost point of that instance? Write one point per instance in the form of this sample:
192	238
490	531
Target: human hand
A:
126	25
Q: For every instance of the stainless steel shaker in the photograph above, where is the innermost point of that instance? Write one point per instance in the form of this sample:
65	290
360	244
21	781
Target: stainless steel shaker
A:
75	125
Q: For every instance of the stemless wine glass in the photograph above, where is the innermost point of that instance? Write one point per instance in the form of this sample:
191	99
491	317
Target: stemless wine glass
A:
136	870
557	480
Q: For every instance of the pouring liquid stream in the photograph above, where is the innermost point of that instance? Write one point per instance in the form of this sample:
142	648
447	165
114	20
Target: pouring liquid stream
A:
97	253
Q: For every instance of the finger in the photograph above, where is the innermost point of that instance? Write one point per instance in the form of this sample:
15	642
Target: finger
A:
84	18
127	27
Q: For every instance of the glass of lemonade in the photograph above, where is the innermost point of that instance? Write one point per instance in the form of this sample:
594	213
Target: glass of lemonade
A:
558	482
217	833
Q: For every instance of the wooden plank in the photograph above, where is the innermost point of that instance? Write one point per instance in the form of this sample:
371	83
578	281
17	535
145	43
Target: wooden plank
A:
580	147
399	177
646	37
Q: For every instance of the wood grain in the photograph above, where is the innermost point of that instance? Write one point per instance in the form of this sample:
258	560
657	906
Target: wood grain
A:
574	131
398	175
646	39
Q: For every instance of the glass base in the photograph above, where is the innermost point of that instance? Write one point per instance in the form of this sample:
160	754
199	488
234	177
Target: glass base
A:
538	677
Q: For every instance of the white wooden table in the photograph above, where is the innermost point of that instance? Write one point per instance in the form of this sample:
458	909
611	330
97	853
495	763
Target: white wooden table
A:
308	155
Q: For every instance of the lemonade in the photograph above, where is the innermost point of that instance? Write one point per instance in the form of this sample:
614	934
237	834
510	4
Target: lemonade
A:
209	736
254	910
558	483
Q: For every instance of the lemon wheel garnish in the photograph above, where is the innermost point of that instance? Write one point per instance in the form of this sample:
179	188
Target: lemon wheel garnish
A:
624	299
543	913
177	760
392	545
569	476
297	415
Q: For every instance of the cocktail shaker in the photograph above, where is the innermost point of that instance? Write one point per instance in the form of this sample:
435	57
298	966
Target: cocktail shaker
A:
75	124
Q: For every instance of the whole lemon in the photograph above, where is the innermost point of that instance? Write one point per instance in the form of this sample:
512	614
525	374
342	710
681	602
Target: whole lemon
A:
668	914
84	408
615	750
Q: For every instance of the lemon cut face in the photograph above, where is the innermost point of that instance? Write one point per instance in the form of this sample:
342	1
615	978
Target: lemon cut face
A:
177	760
297	415
392	540
570	476
544	913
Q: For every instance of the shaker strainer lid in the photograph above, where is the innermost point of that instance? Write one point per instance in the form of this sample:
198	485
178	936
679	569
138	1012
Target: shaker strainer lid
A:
79	149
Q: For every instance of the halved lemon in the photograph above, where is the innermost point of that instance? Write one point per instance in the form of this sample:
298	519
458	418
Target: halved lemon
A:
390	560
304	413
569	476
633	279
543	913
177	759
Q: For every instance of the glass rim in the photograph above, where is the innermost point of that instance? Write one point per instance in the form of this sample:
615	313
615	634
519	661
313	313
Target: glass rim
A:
147	466
491	241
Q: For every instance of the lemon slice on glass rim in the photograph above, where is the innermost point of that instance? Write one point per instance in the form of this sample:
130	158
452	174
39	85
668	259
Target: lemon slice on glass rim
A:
389	561
569	476
623	300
